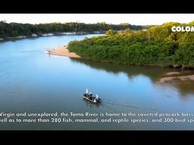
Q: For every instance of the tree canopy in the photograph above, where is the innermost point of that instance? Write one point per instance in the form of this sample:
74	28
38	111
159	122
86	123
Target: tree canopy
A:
158	45
18	29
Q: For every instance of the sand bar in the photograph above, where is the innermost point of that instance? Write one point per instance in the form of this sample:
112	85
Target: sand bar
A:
63	51
173	73
182	78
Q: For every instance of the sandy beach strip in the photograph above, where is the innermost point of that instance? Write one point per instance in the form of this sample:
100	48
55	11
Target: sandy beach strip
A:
182	78
63	51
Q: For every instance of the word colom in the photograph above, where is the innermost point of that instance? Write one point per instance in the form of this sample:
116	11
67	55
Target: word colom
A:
182	28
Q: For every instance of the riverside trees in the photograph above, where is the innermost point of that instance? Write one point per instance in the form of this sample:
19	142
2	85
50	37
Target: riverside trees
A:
158	45
17	29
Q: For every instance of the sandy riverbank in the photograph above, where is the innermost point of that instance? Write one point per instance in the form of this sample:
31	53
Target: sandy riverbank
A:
62	51
180	77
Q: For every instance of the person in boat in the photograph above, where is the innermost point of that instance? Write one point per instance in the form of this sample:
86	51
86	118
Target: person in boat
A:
96	99
86	93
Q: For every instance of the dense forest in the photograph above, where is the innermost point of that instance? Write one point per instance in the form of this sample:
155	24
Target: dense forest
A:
18	29
157	46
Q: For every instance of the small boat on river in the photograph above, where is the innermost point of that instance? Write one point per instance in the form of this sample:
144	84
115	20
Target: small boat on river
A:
93	99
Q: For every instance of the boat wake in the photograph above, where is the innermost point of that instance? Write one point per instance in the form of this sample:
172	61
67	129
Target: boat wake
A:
124	105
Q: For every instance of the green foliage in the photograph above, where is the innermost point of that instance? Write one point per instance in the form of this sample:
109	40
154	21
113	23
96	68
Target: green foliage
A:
111	32
156	46
17	29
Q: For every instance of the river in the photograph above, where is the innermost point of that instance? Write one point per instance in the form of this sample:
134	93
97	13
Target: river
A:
35	86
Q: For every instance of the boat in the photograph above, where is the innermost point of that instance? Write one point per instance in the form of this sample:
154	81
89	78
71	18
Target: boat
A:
93	99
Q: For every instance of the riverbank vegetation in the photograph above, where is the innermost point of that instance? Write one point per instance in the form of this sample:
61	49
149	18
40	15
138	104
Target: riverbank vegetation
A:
29	30
157	46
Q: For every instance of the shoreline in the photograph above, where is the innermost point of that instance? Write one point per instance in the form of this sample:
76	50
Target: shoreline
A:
63	51
170	76
34	35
